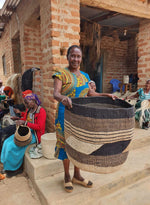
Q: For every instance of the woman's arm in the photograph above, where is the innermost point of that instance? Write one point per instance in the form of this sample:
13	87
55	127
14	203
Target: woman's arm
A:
136	95
93	93
40	121
66	101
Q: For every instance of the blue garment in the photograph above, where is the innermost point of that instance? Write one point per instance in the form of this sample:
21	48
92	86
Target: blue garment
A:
72	86
12	155
142	95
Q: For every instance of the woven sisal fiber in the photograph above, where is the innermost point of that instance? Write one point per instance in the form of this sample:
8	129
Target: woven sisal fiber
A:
98	131
22	136
14	81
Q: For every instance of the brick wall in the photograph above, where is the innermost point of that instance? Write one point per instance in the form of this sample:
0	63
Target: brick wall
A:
119	59
6	49
32	56
60	26
16	54
42	41
132	56
144	53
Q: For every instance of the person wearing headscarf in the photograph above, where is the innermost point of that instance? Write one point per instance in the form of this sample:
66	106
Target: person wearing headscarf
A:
34	118
8	91
10	99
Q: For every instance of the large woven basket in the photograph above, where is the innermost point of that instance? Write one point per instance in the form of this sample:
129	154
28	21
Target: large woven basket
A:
98	131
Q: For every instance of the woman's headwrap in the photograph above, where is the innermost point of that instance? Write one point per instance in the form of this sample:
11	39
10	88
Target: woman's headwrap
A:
26	92
7	88
31	96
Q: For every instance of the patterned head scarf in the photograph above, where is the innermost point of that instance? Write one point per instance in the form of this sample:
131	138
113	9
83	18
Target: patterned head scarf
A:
32	96
10	91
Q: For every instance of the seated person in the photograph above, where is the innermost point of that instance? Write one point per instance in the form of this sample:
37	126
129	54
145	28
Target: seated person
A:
10	99
92	91
35	118
19	110
142	115
92	85
7	131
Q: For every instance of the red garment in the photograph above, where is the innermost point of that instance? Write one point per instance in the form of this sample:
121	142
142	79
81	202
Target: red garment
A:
26	92
10	91
22	114
39	122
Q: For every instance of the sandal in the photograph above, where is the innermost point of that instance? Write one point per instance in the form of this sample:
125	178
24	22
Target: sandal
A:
68	187
85	182
2	176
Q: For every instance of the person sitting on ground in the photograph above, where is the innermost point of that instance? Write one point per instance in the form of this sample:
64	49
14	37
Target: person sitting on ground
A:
142	113
35	117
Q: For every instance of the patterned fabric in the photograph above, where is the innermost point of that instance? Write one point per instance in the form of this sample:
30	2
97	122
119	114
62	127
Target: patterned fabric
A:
72	86
33	96
142	114
29	117
142	95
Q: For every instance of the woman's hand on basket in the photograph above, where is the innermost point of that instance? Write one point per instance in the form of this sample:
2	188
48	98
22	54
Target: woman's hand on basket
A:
20	122
66	101
112	96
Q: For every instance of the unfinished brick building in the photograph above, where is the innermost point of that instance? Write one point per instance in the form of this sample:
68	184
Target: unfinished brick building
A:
114	36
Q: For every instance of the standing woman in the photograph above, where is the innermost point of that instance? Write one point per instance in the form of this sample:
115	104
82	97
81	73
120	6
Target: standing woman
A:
34	117
70	82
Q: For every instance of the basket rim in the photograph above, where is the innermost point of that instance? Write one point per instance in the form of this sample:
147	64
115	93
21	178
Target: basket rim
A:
96	97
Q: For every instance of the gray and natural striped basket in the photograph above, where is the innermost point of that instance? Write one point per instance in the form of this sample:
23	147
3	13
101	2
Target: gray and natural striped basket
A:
98	131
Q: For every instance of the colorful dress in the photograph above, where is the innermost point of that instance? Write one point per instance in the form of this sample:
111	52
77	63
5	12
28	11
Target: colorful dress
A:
142	114
72	86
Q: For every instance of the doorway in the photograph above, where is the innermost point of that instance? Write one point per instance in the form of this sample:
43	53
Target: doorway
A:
109	44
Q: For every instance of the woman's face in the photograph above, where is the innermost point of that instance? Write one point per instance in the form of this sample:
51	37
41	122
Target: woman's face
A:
93	85
29	103
74	58
6	92
147	85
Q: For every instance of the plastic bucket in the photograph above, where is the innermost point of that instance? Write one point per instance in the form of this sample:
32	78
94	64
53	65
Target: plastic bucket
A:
48	142
125	79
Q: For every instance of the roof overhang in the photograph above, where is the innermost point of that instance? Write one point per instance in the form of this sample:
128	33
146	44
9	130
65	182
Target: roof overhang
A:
6	12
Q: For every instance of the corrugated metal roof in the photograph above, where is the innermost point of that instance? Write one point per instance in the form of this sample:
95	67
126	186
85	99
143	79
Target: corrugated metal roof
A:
5	13
110	21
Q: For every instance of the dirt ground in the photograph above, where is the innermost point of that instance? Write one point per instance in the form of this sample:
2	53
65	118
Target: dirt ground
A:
17	190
